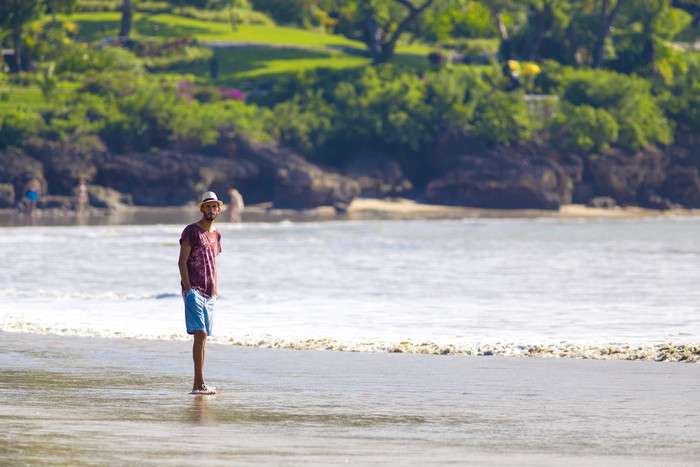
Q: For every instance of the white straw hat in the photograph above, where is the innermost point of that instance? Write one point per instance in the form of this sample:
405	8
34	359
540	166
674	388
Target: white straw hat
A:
210	196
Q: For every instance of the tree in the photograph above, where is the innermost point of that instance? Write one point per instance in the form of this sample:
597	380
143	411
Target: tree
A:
499	9
606	20
383	30
63	6
14	15
127	19
543	17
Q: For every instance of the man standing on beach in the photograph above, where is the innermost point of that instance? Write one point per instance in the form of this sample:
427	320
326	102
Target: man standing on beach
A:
200	243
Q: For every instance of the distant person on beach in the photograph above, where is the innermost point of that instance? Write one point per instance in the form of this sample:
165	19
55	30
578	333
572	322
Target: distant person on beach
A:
236	207
81	197
31	193
200	243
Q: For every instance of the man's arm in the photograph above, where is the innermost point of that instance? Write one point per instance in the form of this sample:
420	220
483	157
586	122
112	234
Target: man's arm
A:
185	249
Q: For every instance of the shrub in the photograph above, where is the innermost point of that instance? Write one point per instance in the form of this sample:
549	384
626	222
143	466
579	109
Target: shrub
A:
310	14
257	123
679	96
99	5
437	58
584	128
304	123
17	124
628	99
195	126
76	57
387	105
502	118
142	118
236	15
453	94
472	50
179	59
115	59
109	84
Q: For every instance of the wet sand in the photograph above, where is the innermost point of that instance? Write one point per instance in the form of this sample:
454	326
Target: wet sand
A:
87	401
360	209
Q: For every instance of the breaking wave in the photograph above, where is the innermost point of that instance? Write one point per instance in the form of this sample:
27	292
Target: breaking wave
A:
666	352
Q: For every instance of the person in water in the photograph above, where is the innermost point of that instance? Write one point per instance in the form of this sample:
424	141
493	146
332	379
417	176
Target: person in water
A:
81	197
200	243
236	206
31	193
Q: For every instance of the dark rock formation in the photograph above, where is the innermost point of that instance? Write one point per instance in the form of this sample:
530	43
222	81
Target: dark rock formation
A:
649	179
59	202
625	177
7	195
602	202
683	186
379	177
103	197
502	182
65	164
524	177
296	183
165	178
16	168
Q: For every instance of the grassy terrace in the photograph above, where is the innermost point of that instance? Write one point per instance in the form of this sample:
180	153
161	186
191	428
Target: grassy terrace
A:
250	51
97	25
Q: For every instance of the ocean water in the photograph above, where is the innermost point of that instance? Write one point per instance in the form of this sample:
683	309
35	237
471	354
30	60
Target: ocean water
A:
595	288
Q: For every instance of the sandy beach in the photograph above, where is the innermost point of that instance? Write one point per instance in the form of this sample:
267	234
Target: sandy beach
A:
359	209
86	401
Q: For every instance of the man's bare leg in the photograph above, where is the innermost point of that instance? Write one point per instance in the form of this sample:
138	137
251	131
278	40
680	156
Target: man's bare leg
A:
198	348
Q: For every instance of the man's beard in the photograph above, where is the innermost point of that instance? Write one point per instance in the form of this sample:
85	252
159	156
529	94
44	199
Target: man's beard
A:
210	216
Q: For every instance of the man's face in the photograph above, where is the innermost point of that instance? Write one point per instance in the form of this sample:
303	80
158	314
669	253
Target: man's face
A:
210	210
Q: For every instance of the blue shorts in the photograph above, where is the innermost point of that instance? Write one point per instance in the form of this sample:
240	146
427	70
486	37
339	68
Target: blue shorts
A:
199	311
32	195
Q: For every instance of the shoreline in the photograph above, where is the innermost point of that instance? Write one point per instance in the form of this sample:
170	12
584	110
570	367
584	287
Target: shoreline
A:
282	407
359	209
686	352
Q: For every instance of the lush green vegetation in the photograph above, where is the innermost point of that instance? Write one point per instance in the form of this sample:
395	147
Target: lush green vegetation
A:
325	96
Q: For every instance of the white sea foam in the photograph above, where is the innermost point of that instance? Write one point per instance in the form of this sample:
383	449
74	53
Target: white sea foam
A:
506	287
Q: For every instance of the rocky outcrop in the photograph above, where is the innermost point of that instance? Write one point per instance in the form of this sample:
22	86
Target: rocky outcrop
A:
165	178
56	202
651	179
295	182
379	177
108	198
628	178
7	195
604	202
17	167
502	182
300	186
682	186
523	177
67	163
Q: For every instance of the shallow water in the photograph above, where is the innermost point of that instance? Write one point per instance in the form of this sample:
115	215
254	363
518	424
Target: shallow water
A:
555	287
88	401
